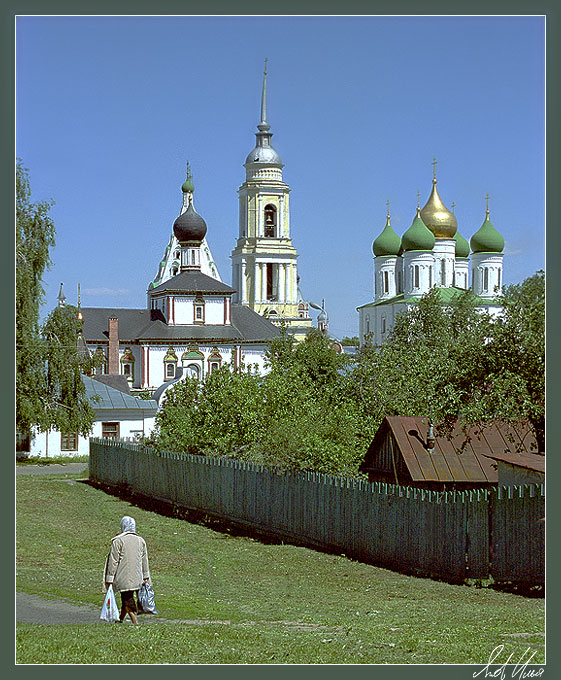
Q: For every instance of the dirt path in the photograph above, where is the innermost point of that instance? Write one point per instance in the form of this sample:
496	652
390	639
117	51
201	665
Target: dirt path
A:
51	469
37	609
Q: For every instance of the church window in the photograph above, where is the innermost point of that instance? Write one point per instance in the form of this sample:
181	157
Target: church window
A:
270	221
110	430
174	271
214	360
199	310
170	364
69	442
399	282
270	274
430	277
416	276
127	364
499	279
386	282
485	279
383	324
443	272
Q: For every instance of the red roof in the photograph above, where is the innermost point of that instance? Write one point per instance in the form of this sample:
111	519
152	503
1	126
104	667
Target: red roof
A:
529	461
462	458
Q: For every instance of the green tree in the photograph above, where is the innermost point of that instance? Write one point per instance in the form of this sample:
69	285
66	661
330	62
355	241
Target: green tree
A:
49	389
452	361
66	407
35	235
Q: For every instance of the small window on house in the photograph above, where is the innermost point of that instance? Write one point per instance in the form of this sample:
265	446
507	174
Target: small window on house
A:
270	221
69	442
170	370
110	430
214	366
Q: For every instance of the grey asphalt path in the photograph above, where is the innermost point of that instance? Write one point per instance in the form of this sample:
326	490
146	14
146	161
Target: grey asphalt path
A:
51	469
37	609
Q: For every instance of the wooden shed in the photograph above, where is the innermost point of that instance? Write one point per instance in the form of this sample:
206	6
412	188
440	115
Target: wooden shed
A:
399	453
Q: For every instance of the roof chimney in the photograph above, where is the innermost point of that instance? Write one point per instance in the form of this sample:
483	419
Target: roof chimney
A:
113	352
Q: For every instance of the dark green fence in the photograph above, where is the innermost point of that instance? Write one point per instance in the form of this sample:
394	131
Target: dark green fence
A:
447	535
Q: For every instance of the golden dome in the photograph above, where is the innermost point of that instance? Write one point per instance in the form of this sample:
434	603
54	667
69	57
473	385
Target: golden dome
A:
437	217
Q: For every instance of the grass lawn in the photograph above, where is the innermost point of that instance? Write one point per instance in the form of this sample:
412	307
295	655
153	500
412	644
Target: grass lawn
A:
236	600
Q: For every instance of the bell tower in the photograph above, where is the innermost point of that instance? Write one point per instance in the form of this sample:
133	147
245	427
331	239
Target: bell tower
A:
264	261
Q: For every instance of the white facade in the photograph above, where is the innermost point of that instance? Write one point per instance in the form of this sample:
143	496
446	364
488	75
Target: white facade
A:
52	443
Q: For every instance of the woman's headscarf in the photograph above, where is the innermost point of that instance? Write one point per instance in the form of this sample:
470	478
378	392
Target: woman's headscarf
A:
128	524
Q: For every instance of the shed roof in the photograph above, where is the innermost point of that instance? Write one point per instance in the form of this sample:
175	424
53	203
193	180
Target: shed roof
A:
529	461
460	458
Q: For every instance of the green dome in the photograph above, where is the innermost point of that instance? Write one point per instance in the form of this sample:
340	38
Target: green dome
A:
187	187
418	236
388	242
487	239
462	246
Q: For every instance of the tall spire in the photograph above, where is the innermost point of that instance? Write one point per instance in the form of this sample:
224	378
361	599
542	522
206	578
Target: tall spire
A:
79	305
263	125
61	297
263	152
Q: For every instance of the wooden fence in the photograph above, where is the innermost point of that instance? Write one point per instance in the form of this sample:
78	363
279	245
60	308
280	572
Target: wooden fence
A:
452	536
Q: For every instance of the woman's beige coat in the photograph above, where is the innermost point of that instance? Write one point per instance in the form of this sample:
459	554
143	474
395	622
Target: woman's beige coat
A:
127	563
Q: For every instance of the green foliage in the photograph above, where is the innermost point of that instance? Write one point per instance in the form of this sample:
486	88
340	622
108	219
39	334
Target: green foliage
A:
319	410
35	235
49	389
66	406
297	416
450	362
350	342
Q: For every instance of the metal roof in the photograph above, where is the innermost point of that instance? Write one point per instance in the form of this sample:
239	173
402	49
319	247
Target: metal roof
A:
462	458
145	325
103	397
193	282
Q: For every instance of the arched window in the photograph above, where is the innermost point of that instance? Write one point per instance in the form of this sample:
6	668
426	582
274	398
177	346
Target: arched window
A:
386	282
170	364
270	221
443	272
485	279
214	360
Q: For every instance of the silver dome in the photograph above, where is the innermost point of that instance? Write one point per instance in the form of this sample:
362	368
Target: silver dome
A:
263	154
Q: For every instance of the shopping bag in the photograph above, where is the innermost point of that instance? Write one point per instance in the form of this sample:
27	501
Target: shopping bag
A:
109	610
146	603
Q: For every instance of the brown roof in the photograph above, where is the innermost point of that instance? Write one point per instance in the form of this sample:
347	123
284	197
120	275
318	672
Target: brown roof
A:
529	461
460	458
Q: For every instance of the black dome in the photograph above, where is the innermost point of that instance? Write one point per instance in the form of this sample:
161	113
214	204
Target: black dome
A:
189	226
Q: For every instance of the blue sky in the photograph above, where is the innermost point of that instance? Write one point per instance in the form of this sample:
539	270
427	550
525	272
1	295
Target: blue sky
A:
109	109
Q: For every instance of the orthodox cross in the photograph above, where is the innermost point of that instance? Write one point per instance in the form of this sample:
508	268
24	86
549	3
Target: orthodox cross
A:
434	167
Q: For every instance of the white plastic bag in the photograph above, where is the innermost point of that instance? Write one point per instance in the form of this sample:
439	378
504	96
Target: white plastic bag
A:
146	601
109	610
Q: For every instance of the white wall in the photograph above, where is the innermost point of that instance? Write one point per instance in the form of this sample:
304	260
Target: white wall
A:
45	444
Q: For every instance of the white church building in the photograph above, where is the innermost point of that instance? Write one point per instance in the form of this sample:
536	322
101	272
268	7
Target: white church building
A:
431	253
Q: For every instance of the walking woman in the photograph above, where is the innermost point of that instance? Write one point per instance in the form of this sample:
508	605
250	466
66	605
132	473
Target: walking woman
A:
126	567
